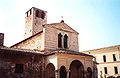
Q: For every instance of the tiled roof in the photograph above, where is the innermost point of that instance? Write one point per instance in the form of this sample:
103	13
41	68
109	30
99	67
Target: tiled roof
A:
21	50
65	51
45	52
61	25
117	46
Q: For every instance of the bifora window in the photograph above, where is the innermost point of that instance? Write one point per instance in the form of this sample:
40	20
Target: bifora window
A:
59	40
105	69
114	57
104	58
65	41
19	68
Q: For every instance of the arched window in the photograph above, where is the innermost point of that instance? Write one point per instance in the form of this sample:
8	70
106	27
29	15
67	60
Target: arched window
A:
37	13
65	41
42	15
59	40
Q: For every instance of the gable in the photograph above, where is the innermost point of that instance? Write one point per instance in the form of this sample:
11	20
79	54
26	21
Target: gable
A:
62	26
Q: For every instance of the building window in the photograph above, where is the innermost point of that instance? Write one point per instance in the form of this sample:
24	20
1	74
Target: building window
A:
42	15
104	58
27	14
30	11
116	70
65	41
114	57
105	69
59	40
37	13
19	68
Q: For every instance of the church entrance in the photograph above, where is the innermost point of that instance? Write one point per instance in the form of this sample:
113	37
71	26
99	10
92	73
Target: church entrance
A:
50	71
89	70
76	69
63	72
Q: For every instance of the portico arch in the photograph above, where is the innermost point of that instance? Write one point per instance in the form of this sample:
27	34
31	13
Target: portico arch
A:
89	70
76	69
50	71
63	73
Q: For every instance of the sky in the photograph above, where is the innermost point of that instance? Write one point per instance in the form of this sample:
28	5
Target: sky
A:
97	21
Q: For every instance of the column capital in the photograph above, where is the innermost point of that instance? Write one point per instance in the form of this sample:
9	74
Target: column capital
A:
57	73
67	70
58	70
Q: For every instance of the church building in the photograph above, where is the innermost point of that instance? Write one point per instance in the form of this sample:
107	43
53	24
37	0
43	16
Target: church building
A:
47	51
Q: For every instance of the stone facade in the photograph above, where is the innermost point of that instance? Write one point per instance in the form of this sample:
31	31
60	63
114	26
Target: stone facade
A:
106	58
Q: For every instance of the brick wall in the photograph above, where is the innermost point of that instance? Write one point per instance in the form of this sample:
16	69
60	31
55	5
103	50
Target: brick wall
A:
34	24
36	42
51	38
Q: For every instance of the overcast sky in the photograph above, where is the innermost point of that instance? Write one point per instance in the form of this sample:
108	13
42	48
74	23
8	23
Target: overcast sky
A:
97	21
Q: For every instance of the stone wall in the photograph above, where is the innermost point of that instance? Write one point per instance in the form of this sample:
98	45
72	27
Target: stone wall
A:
32	67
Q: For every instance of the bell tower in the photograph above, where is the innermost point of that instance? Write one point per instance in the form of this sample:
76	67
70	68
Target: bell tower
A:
34	21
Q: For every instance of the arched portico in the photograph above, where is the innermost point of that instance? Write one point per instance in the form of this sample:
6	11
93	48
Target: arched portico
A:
50	71
89	72
76	69
63	73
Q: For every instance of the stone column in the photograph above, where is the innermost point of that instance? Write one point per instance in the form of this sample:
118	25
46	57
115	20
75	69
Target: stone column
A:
68	72
85	74
57	73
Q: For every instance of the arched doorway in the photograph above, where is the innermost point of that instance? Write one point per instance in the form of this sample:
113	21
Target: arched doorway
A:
76	69
63	72
89	70
50	71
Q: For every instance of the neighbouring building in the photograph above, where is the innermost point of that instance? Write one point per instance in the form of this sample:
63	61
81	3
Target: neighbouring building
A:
48	51
108	59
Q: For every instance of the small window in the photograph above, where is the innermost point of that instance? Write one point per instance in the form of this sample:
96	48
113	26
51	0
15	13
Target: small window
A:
105	69
65	41
104	58
114	57
19	68
27	14
42	15
30	11
37	13
59	40
116	70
